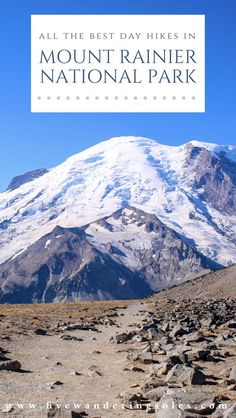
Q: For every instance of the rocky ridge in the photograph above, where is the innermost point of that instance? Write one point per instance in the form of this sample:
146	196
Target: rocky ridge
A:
126	255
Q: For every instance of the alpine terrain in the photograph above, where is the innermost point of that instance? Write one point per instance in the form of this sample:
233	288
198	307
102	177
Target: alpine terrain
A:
120	220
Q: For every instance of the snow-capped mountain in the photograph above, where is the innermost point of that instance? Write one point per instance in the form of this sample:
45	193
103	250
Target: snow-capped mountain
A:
128	254
190	188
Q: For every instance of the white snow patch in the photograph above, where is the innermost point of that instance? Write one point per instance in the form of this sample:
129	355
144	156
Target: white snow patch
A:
48	242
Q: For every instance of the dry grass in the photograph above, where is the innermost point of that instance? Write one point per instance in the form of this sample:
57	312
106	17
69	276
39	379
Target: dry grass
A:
18	319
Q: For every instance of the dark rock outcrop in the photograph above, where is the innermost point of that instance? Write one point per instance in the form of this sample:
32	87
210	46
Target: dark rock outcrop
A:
26	178
215	178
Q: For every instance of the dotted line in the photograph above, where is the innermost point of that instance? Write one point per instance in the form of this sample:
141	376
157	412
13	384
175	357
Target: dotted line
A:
117	98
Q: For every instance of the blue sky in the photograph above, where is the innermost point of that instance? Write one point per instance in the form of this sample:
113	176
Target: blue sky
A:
30	141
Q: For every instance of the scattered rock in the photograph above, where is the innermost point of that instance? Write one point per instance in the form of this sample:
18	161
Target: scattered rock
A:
222	409
165	367
156	393
109	322
79	326
137	369
134	401
152	382
7	409
164	409
134	385
139	338
206	323
63	413
197	354
76	414
194	337
191	399
230	324
174	359
67	337
55	384
93	371
155	334
231	412
40	331
122	338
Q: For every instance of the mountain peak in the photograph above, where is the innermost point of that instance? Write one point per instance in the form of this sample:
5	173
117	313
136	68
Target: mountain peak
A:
228	151
162	180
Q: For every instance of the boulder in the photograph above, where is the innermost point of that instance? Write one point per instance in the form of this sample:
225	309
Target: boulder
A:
139	338
2	356
67	337
177	331
80	326
152	383
224	340
207	322
156	394
121	338
137	369
134	401
192	400
196	355
165	367
230	324
194	337
40	331
174	358
55	384
76	414
134	356
144	358
184	375
150	324
64	413
164	409
10	365
231	412
223	408
165	327
155	334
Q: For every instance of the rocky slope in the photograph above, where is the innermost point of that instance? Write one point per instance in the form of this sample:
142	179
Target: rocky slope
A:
126	255
171	356
218	284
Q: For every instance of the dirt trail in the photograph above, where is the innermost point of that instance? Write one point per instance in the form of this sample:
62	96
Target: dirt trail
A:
91	370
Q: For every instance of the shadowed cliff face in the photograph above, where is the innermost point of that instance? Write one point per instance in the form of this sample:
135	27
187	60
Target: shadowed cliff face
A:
215	178
78	264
